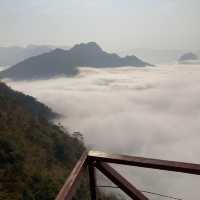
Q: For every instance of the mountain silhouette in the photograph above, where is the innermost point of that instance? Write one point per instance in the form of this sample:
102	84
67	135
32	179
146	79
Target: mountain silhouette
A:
189	59
65	62
188	56
12	55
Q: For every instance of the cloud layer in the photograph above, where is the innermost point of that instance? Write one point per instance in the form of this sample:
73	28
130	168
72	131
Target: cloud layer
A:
151	112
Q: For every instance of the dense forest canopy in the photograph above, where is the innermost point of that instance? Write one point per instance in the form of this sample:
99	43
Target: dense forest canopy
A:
36	155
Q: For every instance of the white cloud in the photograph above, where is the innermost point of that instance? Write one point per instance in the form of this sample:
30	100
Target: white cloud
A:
152	112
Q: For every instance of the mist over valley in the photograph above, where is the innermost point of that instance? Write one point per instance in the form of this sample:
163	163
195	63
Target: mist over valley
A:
121	77
151	112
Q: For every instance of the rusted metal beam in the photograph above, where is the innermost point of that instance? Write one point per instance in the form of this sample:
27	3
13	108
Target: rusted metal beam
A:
120	181
69	187
92	178
98	159
145	162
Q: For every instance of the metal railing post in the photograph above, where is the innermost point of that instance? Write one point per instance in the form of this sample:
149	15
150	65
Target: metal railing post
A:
92	178
120	181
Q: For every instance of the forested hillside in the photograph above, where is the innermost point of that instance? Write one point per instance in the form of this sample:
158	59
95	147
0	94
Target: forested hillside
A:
36	156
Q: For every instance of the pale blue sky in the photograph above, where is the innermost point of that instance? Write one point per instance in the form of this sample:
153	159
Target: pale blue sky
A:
114	24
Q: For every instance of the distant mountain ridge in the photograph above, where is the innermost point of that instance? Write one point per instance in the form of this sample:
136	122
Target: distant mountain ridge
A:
159	56
65	62
15	54
189	58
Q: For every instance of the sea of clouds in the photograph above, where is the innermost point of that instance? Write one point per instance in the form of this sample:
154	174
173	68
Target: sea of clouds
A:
151	112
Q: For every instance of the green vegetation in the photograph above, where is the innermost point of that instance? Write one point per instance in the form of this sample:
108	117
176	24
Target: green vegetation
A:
36	156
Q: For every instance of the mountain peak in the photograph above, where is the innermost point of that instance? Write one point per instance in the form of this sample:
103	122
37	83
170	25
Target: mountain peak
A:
188	56
59	62
90	46
58	50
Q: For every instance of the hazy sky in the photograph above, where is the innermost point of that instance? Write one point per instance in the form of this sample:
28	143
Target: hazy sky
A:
115	24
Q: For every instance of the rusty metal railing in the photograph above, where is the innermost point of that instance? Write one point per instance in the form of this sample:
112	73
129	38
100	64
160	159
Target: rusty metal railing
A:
99	160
